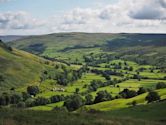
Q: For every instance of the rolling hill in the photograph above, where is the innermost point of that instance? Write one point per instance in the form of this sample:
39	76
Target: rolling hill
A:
147	48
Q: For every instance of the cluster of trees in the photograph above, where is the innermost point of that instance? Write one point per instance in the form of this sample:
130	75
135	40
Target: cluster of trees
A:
63	75
6	99
26	99
95	59
76	101
102	96
151	97
126	93
106	73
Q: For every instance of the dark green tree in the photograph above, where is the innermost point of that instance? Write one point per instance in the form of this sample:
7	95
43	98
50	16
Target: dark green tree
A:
141	90
160	85
33	90
74	102
89	99
102	96
152	96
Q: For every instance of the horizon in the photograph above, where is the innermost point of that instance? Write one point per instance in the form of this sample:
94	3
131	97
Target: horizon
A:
82	33
40	17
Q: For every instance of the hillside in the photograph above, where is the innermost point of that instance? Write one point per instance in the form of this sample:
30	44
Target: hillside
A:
147	48
19	68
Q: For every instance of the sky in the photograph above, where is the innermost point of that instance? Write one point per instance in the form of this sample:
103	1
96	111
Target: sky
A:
33	17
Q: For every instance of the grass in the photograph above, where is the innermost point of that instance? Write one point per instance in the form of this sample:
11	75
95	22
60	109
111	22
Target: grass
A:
123	103
152	111
19	68
28	117
47	107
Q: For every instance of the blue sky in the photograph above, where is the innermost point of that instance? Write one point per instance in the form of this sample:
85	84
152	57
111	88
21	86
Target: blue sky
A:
47	8
115	16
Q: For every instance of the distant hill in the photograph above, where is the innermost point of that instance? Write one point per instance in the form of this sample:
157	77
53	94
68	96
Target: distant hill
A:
148	48
9	38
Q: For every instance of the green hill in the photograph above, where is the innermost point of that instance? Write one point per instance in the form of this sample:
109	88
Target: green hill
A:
19	68
147	48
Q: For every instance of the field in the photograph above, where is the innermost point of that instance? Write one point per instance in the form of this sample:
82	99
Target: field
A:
125	116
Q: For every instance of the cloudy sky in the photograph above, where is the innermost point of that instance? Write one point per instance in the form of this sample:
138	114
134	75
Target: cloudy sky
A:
22	17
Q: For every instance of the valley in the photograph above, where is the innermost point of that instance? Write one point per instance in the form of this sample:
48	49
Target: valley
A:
117	78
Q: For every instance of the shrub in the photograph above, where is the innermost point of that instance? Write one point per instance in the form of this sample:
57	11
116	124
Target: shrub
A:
41	101
88	99
126	93
102	96
152	96
74	102
57	98
33	90
141	90
160	85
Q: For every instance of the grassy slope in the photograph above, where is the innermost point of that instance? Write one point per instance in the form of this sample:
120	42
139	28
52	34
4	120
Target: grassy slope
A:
19	68
123	103
152	111
61	118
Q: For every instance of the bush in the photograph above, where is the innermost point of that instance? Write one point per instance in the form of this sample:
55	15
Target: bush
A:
30	102
102	96
74	102
21	105
152	96
126	93
88	99
15	98
160	85
141	90
57	98
134	103
33	90
41	101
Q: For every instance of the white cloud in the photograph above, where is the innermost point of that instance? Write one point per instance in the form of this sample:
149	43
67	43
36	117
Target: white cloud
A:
18	20
123	16
136	16
151	9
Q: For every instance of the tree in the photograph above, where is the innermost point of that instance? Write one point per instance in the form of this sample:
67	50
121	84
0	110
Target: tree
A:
57	98
130	68
141	90
77	90
21	105
118	86
126	93
15	98
88	99
4	99
74	102
25	96
152	96
33	90
102	96
1	78
41	101
160	85
134	103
